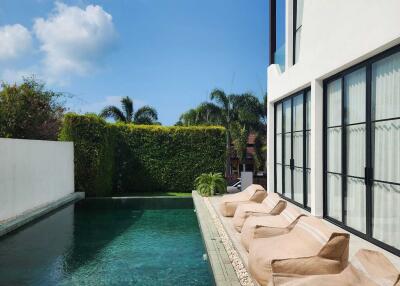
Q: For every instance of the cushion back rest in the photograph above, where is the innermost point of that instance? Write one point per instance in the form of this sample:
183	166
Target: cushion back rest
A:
245	195
376	267
312	231
290	213
252	189
271	201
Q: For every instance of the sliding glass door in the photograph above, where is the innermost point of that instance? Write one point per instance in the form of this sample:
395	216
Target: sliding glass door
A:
292	133
362	149
385	180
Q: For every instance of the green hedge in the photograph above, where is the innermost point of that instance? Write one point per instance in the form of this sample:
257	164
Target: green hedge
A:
120	158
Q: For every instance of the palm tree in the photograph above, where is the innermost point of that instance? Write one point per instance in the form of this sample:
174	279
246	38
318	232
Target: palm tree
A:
188	118
227	110
240	114
206	113
144	115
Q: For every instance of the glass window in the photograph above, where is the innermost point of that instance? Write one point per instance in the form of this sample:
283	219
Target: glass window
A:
386	87
298	19
279	118
334	149
386	219
278	169
356	204
298	113
367	134
334	93
292	174
355	94
387	151
308	110
334	190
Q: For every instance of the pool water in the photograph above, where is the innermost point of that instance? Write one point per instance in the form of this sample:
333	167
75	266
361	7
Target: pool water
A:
107	243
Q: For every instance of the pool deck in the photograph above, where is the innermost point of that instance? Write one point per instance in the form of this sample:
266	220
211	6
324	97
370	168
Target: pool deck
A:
356	243
227	267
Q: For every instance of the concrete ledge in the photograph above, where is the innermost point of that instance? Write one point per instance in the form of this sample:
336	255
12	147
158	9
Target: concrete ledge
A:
224	273
28	216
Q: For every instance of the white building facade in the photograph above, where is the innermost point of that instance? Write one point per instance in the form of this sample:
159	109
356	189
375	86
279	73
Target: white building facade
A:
334	112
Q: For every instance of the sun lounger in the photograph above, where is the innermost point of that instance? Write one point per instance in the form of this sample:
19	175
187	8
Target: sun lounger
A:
253	193
271	205
367	268
267	226
310	247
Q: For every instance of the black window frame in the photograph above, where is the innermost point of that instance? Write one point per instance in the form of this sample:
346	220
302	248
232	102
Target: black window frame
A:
305	167
368	176
295	29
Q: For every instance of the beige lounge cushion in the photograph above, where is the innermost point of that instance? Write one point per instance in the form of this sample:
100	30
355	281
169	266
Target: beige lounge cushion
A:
310	245
271	205
253	193
368	267
266	226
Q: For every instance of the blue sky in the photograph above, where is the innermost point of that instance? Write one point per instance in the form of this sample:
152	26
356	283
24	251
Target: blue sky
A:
167	54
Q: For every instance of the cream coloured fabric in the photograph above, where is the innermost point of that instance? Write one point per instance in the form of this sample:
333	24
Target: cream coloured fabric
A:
308	245
271	205
367	268
253	193
266	226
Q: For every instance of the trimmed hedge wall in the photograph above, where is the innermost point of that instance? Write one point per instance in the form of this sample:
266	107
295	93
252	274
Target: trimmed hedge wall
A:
113	159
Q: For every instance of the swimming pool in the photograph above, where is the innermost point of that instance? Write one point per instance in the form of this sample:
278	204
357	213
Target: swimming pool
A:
108	242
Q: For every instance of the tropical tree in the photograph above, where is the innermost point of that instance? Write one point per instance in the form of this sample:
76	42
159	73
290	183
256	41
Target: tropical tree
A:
206	113
144	115
240	114
240	135
30	111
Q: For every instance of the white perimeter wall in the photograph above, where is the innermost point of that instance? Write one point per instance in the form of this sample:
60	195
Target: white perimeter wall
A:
33	173
336	34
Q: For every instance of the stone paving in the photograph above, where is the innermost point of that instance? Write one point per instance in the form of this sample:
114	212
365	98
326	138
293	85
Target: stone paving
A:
226	266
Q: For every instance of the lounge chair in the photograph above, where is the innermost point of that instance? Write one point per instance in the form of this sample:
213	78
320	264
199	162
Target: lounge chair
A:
271	205
311	247
253	193
367	268
267	226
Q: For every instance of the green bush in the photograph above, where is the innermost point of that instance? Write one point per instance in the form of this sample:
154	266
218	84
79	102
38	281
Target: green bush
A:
208	184
126	158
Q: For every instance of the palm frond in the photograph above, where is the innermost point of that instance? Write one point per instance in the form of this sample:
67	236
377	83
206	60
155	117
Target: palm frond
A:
188	118
220	98
146	115
209	113
127	107
113	112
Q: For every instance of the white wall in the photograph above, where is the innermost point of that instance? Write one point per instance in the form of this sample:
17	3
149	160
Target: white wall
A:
336	34
33	173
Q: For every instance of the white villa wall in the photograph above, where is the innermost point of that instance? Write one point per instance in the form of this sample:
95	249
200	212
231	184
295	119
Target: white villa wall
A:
33	173
335	35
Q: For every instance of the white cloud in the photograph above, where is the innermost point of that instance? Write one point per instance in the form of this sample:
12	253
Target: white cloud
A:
16	76
74	40
15	40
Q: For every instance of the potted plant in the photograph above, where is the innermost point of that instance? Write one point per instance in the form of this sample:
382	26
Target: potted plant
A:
208	184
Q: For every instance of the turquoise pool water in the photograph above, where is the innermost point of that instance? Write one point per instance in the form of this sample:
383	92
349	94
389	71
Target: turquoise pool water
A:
107	243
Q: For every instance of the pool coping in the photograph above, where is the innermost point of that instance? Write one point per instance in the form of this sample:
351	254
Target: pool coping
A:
33	214
221	265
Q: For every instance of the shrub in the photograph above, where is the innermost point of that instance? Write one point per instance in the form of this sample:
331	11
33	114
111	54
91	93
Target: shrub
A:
29	111
211	183
93	152
125	158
